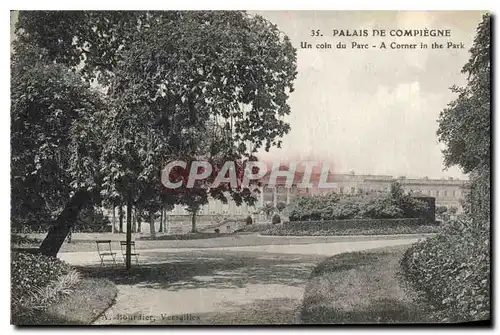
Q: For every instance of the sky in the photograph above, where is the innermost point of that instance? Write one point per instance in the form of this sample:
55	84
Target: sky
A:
372	111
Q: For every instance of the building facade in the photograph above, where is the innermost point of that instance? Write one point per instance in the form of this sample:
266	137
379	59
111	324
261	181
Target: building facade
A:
447	192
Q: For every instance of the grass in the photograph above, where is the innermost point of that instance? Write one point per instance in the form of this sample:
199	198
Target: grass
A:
88	300
361	287
261	312
232	240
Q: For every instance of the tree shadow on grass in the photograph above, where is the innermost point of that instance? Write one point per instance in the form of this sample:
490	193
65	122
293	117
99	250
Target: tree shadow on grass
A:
188	272
346	261
81	307
43	318
360	287
258	312
383	310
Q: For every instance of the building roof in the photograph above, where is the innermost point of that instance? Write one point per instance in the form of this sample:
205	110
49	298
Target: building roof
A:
337	177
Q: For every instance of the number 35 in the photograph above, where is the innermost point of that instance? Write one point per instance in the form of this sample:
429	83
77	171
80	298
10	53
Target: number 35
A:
315	32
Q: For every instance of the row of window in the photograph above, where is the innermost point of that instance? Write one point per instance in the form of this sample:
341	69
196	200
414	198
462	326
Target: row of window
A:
225	211
436	193
354	190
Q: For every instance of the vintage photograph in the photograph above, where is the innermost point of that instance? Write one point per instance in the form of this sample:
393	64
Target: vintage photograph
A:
250	167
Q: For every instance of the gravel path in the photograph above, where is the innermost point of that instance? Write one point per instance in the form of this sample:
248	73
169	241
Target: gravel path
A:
248	284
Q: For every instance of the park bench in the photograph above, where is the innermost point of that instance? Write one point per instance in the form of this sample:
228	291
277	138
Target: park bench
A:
123	246
101	250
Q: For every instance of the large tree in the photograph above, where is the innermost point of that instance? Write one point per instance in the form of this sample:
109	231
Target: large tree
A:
55	142
166	75
465	125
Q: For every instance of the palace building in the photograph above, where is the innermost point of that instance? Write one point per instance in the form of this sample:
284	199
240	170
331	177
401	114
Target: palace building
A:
447	192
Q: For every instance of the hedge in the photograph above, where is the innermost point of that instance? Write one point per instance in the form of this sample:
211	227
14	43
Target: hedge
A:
30	272
255	228
393	205
351	224
452	271
389	230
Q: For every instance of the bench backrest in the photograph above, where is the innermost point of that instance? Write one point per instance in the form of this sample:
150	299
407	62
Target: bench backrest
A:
108	242
124	244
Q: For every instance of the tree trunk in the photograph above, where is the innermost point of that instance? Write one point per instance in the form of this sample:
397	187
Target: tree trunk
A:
128	250
134	220
137	220
152	224
92	216
60	229
193	222
120	213
160	230
113	222
165	221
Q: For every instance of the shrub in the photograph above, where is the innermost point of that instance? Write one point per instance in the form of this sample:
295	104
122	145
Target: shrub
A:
23	240
30	272
276	219
382	208
452	271
25	311
267	209
332	206
414	208
343	210
248	220
313	207
440	210
280	206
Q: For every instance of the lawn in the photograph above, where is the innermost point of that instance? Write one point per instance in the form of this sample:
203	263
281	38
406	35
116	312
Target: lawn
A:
362	287
277	311
233	240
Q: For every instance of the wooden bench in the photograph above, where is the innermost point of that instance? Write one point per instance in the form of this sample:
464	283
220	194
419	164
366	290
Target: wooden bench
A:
123	246
101	250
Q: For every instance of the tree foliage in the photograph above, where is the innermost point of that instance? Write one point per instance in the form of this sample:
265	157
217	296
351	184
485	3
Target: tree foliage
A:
280	206
268	209
452	269
55	135
171	80
441	210
464	127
